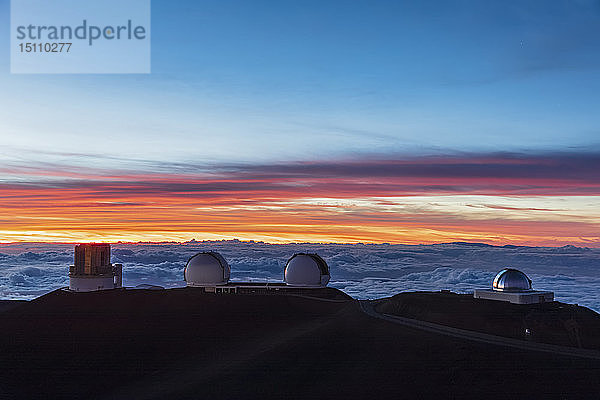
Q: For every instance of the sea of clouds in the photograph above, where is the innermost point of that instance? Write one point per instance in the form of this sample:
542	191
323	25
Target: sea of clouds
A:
28	270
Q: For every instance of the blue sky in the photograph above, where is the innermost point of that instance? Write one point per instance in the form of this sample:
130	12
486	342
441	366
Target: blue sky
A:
268	80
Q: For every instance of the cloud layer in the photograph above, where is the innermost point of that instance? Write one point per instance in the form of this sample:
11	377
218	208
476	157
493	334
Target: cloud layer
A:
362	270
536	199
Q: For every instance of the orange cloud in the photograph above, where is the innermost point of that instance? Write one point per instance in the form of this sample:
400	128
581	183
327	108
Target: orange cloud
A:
343	201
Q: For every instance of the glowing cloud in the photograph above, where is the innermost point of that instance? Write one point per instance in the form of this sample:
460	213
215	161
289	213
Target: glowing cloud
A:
549	199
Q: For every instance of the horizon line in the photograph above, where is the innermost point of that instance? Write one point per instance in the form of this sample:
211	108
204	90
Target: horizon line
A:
466	243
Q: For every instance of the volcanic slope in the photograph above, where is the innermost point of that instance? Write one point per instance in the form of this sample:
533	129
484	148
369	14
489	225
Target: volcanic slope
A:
187	344
552	323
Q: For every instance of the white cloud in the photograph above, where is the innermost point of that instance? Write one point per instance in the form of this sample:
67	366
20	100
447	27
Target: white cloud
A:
362	270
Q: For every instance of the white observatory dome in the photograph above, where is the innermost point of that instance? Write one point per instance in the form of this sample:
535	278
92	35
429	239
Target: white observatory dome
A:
308	270
206	269
511	280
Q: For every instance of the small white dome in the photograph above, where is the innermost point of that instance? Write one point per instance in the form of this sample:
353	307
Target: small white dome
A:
206	269
308	270
511	280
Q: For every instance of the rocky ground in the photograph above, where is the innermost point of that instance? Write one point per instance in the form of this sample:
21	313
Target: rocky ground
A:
185	344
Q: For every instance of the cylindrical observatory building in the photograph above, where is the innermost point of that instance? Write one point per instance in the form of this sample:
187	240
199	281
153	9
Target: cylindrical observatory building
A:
92	269
306	270
513	286
207	268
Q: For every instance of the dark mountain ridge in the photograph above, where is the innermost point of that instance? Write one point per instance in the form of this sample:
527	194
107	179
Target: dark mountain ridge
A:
188	344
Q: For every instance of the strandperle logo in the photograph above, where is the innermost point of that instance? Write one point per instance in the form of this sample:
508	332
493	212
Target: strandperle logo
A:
80	36
85	31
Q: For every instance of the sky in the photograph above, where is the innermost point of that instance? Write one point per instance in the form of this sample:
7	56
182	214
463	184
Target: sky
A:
323	121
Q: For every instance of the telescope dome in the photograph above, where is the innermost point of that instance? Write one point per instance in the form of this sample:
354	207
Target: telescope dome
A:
307	270
206	269
511	280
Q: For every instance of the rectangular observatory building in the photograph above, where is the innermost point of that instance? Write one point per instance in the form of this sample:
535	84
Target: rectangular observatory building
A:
92	269
529	297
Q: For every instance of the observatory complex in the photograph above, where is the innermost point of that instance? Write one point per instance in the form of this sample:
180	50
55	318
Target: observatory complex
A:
303	272
92	269
209	270
513	286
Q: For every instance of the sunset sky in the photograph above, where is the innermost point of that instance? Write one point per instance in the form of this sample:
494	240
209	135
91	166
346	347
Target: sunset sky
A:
321	121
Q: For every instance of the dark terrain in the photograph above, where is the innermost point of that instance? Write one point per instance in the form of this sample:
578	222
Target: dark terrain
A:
552	323
6	305
183	343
